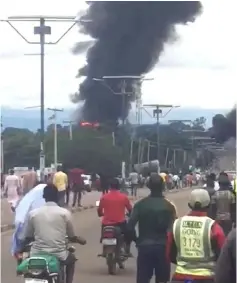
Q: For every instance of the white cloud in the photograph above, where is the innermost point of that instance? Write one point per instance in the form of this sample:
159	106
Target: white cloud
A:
197	70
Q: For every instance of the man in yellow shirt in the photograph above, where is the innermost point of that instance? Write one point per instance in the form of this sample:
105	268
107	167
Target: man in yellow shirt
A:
60	180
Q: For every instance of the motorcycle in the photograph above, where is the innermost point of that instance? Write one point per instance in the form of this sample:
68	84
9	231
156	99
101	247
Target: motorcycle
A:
42	268
113	247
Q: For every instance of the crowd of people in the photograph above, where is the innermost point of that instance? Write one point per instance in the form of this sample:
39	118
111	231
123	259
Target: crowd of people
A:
196	243
15	186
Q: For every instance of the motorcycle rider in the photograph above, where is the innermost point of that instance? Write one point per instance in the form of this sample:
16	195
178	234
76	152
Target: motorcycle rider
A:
223	204
155	216
195	242
48	227
113	207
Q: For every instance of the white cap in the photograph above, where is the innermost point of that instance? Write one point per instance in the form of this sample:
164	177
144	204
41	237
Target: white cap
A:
200	196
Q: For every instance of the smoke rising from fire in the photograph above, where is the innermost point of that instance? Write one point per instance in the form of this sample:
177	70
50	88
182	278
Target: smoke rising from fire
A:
129	39
224	127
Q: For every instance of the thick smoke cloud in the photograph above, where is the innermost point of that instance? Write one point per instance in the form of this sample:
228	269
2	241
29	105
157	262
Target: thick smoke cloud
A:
224	127
130	37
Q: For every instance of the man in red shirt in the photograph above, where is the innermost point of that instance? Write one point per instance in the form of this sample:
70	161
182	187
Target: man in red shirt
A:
113	207
77	185
192	262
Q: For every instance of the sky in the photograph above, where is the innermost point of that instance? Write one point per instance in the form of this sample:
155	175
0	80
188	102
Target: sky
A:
197	70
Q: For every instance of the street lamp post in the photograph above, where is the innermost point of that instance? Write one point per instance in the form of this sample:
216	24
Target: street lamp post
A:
156	113
2	150
42	30
123	91
54	117
70	123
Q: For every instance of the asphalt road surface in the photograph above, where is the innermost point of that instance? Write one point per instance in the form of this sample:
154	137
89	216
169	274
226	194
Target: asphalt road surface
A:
89	267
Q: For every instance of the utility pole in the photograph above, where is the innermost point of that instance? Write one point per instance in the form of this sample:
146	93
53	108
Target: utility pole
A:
157	114
70	123
42	30
193	144
184	121
54	117
113	138
2	150
123	83
131	155
148	150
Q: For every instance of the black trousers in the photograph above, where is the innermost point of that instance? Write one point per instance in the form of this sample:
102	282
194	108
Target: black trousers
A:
70	267
152	259
67	195
61	198
77	194
105	191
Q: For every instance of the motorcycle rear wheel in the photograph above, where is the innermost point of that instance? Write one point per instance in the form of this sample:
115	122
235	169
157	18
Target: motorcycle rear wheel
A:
111	262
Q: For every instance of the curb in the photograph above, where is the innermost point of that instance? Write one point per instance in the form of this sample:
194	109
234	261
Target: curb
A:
8	227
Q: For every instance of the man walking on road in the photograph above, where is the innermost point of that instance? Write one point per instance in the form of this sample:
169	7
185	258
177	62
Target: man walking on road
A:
134	178
155	216
60	181
76	185
12	188
29	181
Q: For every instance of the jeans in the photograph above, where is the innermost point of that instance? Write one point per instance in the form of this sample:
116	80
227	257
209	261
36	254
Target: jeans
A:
61	198
70	267
152	258
134	189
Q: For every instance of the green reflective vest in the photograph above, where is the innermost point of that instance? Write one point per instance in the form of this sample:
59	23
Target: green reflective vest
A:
192	235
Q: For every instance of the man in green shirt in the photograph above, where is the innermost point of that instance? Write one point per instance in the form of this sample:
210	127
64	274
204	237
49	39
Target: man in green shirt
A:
155	216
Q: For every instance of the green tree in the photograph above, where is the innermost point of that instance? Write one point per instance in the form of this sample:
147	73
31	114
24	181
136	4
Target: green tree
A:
199	123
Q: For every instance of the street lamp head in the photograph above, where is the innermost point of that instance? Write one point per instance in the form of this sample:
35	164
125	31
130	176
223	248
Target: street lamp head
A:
47	18
36	17
32	107
97	79
123	77
179	120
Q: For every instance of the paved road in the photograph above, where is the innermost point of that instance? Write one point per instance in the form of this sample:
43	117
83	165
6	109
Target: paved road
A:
7	216
89	267
88	199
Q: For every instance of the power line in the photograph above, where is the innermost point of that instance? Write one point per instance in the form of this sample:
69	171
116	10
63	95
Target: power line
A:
42	30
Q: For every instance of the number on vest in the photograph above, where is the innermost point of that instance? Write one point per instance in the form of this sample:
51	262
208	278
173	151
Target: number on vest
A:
191	243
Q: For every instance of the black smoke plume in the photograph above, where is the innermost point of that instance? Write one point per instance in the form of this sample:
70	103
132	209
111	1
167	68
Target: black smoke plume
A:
224	127
130	38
